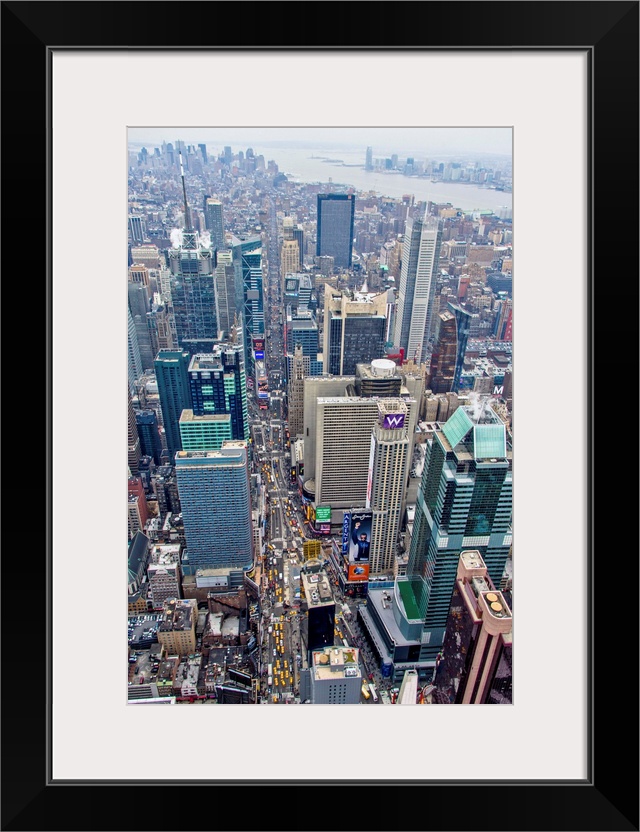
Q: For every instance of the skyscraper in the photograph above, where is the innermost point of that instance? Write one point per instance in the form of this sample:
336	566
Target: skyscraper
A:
247	261
336	214
296	393
289	258
343	444
225	291
451	336
171	368
420	257
133	455
148	431
218	385
193	289
134	359
136	229
214	222
464	501
368	164
354	329
386	483
216	507
474	666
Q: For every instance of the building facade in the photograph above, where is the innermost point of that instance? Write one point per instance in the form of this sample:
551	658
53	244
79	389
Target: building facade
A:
416	293
216	507
172	376
336	213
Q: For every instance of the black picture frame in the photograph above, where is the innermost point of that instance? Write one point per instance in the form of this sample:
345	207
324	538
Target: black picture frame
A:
608	798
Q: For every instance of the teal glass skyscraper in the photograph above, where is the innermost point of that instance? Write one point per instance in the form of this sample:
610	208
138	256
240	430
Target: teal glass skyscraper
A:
247	261
464	502
215	500
219	386
171	368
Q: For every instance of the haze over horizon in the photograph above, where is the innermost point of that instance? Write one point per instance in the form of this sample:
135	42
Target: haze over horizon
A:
442	141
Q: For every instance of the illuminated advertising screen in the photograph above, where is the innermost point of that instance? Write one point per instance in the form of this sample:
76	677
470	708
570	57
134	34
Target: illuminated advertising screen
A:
323	528
346	531
323	514
358	572
259	354
359	536
258	344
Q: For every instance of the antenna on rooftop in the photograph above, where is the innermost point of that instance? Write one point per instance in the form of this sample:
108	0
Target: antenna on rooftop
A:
187	216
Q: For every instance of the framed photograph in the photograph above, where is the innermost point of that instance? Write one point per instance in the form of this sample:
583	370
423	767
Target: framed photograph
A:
564	78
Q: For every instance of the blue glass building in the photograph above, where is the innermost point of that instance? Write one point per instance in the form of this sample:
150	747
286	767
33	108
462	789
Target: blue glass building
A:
216	507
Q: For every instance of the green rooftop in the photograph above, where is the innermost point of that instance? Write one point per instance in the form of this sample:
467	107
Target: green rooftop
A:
457	427
489	442
410	606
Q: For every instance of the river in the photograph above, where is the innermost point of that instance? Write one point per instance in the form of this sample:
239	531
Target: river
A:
299	166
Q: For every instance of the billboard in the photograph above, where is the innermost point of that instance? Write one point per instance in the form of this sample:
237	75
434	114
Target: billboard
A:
359	540
323	528
258	343
358	572
259	355
346	531
323	514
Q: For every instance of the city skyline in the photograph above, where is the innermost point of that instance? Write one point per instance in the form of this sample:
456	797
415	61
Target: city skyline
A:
356	278
487	141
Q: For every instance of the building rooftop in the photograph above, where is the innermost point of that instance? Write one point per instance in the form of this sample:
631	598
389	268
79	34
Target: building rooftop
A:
188	416
336	663
317	588
178	615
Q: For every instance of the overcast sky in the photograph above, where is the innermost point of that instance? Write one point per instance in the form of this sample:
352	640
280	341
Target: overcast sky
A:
384	140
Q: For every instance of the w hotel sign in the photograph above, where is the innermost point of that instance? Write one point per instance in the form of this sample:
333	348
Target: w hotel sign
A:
392	421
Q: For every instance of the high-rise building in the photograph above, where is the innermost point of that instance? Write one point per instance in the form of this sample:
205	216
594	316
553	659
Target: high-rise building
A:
206	432
219	386
289	258
247	261
368	164
336	214
136	229
216	507
139	274
296	393
134	359
335	676
149	433
321	605
420	258
451	336
214	221
301	329
172	376
138	509
475	664
140	307
225	291
354	329
387	481
464	501
134	453
343	444
193	289
381	377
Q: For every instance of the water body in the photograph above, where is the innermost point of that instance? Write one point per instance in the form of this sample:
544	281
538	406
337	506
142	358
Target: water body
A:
299	166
